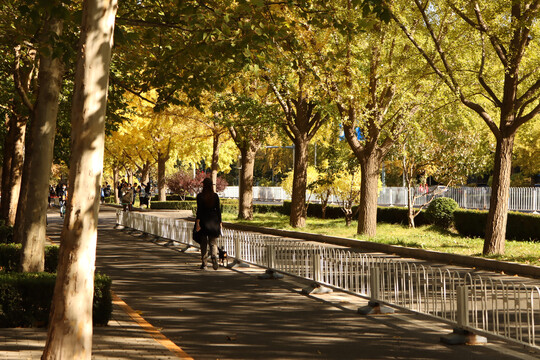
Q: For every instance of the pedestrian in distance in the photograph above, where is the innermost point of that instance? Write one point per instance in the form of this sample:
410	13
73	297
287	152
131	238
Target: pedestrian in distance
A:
208	222
127	197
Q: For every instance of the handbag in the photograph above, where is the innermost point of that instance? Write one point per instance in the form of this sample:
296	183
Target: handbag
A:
197	235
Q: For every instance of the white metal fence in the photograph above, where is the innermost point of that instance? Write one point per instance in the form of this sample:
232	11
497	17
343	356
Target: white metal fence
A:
507	309
520	199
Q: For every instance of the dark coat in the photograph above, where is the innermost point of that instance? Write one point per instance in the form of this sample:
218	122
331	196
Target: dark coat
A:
209	216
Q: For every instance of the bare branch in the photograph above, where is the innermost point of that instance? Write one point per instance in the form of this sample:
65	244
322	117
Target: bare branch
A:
21	90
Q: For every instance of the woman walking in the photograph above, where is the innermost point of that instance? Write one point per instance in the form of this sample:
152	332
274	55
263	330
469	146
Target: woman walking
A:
208	222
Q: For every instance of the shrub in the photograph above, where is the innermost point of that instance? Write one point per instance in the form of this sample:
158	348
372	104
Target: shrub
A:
10	257
6	233
267	208
520	226
470	223
399	215
109	200
25	299
441	211
174	205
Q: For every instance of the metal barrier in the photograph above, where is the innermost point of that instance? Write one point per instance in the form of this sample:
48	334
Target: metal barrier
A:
525	199
503	308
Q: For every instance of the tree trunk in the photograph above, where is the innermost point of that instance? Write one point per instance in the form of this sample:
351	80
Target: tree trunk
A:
115	185
367	214
161	162
245	210
9	143
410	205
498	205
215	159
145	173
348	216
70	325
298	198
30	224
14	145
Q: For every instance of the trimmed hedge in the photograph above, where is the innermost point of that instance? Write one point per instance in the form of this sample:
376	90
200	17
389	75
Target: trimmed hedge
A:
25	299
227	205
520	226
10	257
173	197
174	205
391	215
6	233
267	208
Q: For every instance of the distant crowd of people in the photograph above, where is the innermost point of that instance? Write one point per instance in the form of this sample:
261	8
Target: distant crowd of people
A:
128	193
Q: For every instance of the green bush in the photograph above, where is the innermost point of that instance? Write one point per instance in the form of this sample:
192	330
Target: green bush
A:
471	223
109	200
173	197
6	233
267	208
520	226
102	305
173	205
441	211
399	215
10	257
25	299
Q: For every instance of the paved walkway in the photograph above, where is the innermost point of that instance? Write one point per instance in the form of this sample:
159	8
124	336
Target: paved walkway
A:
168	309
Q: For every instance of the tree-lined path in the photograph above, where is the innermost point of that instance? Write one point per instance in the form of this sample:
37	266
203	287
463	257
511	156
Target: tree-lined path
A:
231	314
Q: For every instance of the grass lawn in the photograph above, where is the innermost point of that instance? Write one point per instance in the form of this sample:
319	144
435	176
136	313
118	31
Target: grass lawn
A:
424	237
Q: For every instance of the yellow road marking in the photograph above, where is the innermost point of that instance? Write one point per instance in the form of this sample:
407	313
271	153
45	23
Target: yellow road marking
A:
150	329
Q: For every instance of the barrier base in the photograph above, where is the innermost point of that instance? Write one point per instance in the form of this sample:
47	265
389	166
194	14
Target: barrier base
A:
191	249
316	289
119	227
463	337
374	308
237	263
270	274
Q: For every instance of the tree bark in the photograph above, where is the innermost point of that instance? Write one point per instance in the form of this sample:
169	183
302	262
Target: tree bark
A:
367	214
161	162
9	143
215	159
30	224
410	204
70	325
13	168
298	197
498	205
115	185
245	210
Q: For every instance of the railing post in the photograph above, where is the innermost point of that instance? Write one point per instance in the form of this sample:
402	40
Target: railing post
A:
461	335
270	273
316	265
237	252
374	306
462	310
315	287
270	256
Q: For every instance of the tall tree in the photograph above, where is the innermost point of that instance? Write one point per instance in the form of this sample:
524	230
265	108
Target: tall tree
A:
376	92
30	224
70	326
487	55
247	113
